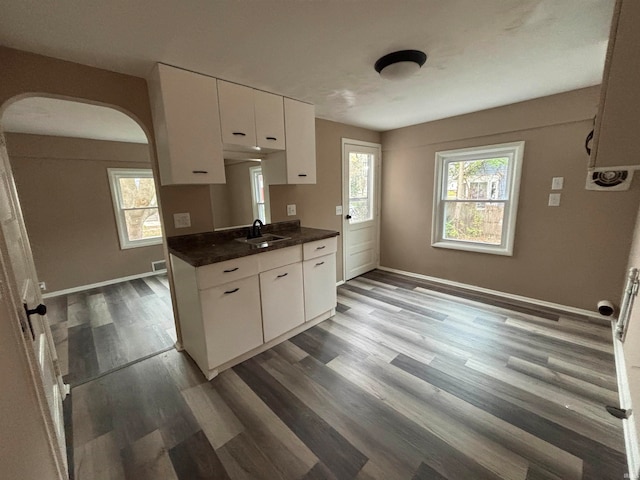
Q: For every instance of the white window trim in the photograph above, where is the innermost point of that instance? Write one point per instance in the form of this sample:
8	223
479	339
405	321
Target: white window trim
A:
515	152
114	174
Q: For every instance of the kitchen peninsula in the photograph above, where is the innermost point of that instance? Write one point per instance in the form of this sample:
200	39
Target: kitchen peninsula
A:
236	299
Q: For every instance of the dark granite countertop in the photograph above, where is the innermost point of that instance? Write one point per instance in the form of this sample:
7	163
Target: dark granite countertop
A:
212	247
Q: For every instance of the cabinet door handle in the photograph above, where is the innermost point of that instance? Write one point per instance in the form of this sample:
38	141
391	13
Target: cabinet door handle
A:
302	174
199	171
318	264
271	138
320	248
231	270
240	134
283	275
232	291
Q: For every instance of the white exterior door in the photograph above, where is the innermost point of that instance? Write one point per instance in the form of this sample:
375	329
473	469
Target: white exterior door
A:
361	200
18	274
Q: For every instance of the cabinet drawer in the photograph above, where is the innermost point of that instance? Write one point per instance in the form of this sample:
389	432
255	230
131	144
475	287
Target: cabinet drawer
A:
320	293
320	248
232	319
282	300
229	271
280	258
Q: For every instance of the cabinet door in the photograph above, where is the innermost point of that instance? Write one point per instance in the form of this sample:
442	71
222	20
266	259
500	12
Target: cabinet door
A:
269	110
282	300
300	125
237	116
232	319
187	126
319	286
618	119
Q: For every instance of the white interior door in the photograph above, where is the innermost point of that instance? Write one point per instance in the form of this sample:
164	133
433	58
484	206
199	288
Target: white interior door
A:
361	200
20	272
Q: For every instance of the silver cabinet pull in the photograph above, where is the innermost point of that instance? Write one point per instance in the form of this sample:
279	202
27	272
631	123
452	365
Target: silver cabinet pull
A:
231	291
231	270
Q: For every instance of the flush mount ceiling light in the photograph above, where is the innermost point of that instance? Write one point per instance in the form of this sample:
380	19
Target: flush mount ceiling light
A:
400	65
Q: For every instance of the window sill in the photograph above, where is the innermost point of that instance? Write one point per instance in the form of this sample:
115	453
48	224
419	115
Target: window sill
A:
473	247
141	243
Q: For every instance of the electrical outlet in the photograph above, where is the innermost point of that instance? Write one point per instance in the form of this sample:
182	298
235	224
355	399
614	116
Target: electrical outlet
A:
339	210
554	199
557	183
291	210
43	286
182	220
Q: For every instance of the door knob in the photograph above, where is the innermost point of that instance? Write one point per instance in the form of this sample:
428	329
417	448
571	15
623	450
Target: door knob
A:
348	217
40	310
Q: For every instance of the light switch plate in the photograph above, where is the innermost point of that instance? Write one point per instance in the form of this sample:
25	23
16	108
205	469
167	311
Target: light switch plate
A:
181	220
554	199
339	210
557	183
291	210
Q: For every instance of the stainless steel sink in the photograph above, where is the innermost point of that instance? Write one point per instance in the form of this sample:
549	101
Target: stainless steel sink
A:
263	241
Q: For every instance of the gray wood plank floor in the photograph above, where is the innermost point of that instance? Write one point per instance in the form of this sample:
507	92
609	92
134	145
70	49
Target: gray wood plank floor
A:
406	382
98	330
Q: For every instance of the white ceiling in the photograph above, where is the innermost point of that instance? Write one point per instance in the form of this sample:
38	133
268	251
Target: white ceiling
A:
482	54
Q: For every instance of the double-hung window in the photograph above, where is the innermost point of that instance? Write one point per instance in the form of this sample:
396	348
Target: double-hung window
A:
136	207
476	198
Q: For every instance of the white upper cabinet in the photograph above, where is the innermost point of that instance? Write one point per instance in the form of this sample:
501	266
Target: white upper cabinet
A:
269	111
237	114
250	118
297	165
187	126
198	120
618	119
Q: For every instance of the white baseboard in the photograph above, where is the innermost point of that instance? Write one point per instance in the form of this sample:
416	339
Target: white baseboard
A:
81	288
533	301
341	282
629	425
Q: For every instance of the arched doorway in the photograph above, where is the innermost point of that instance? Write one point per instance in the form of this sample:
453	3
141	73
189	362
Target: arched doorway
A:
66	165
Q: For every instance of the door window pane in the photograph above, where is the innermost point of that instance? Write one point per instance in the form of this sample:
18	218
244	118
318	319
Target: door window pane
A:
360	187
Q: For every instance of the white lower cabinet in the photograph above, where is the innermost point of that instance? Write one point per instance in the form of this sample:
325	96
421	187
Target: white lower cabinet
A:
282	300
231	310
319	285
232	319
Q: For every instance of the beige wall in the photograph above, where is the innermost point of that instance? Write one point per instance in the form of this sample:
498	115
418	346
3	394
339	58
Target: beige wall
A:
316	204
573	254
66	202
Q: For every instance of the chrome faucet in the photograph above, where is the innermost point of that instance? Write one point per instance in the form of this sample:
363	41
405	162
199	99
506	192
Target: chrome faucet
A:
255	230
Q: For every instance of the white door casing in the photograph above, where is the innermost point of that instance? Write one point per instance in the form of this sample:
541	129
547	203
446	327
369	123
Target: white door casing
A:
361	207
18	272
